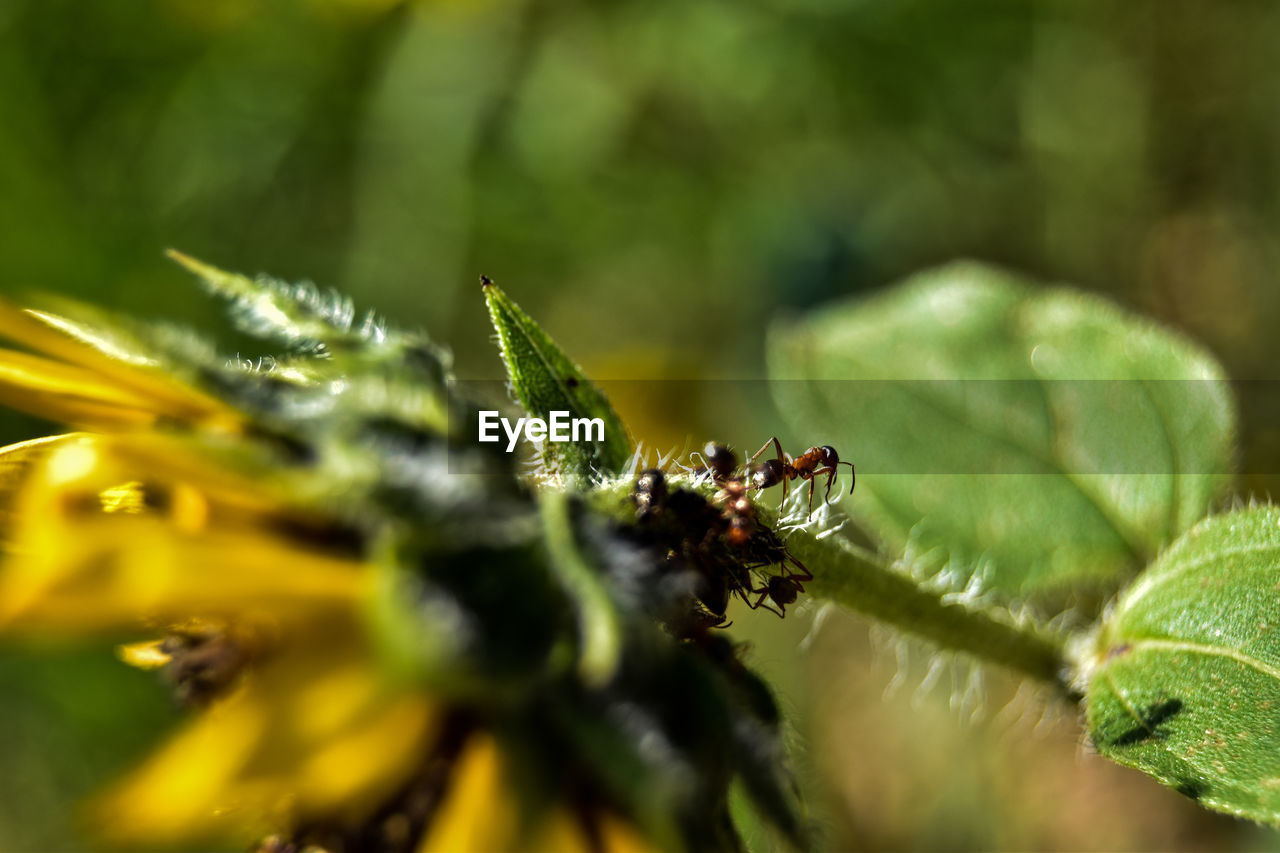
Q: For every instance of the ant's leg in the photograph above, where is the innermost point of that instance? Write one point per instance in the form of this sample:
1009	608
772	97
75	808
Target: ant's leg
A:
760	603
777	445
804	575
830	471
812	484
743	590
853	477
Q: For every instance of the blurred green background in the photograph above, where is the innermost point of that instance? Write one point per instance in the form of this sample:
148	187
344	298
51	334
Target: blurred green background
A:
655	182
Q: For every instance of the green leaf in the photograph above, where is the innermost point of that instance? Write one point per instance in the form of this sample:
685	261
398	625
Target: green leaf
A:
1185	680
267	307
546	381
1059	480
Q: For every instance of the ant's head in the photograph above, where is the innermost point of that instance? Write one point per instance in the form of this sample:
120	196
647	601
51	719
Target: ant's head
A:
720	459
831	458
770	473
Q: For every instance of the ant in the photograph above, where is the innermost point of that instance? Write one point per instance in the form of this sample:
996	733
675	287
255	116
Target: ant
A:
809	465
783	589
732	497
761	546
717	540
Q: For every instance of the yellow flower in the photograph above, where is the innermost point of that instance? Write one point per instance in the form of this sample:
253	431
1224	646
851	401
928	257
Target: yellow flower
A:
162	519
82	377
483	785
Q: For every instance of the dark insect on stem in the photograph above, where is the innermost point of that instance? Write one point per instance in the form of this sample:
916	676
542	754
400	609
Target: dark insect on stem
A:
810	465
755	545
720	461
650	494
732	498
783	589
718	544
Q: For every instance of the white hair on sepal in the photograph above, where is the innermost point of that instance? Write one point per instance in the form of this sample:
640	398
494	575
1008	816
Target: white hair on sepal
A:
665	461
638	459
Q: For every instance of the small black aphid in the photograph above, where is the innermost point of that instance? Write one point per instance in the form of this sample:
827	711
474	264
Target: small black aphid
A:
721	461
650	493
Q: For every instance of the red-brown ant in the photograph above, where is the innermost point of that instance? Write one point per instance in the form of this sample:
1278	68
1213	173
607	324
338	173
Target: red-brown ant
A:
718	542
759	546
809	465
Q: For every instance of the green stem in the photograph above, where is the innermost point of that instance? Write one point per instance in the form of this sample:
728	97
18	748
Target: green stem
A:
885	590
597	620
869	583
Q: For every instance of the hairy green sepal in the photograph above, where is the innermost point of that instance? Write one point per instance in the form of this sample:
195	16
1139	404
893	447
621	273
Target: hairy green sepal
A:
545	380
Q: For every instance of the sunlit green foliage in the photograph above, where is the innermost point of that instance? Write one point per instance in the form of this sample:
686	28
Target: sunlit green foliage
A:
1185	677
1041	437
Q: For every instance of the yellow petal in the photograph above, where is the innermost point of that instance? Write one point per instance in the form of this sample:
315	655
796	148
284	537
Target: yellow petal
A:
618	836
69	394
352	773
256	761
478	811
87	553
133	571
218	470
481	812
148	655
558	832
182	790
126	497
16	464
114	367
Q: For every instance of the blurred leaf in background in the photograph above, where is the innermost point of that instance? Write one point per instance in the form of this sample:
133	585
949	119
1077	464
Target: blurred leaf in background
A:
1041	438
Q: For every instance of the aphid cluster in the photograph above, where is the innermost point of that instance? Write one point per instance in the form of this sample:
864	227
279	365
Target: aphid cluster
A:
719	541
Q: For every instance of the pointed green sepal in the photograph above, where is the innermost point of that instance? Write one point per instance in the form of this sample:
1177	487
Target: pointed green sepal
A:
546	381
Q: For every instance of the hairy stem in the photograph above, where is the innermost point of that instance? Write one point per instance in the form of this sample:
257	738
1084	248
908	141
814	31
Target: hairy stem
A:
884	589
876	586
